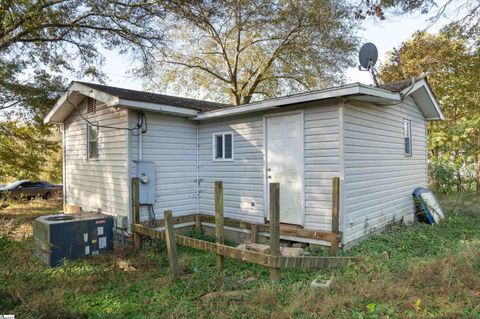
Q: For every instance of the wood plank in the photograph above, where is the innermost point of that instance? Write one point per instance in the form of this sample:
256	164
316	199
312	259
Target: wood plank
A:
71	209
171	245
335	214
219	237
254	233
176	220
313	262
249	255
274	228
198	223
285	230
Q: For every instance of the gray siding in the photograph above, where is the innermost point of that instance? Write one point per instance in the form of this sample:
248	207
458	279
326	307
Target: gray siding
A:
243	178
97	183
322	162
170	143
379	178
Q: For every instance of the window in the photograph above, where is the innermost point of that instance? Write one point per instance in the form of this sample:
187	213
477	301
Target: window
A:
92	138
91	105
223	146
407	136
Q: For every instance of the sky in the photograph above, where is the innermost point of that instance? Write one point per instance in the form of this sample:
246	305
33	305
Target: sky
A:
385	35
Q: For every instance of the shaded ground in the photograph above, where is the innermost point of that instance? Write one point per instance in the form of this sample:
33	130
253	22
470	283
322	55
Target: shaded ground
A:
431	272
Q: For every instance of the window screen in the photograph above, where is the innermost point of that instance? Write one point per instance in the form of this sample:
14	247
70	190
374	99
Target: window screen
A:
228	146
219	146
223	146
407	134
92	138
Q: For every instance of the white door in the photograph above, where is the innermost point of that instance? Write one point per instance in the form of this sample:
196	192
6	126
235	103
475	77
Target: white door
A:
285	164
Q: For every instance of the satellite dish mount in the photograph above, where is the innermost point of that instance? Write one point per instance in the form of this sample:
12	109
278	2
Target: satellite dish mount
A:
367	57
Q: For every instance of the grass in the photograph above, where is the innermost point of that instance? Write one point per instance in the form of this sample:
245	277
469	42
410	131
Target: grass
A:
430	272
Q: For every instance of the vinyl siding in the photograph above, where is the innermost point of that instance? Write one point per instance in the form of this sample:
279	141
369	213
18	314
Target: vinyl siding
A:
322	162
379	178
242	178
97	183
170	142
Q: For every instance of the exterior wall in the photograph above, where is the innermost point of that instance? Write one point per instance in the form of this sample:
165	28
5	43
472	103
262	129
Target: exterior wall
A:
379	178
244	179
170	142
322	162
97	183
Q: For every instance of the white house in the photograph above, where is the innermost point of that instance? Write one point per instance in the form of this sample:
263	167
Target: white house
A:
374	139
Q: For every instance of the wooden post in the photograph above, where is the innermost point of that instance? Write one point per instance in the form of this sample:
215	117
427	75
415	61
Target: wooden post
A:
254	233
198	223
171	244
219	220
335	214
136	210
274	227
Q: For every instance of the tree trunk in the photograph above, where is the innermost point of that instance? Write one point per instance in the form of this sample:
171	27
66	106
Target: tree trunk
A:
235	98
477	157
459	181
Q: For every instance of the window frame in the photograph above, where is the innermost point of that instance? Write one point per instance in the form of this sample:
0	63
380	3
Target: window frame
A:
214	146
407	133
89	141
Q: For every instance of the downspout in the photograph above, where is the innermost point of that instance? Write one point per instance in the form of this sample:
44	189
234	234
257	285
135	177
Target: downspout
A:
198	173
341	137
64	165
140	142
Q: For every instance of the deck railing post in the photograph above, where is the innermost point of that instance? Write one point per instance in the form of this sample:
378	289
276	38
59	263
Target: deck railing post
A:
136	210
274	227
335	214
254	233
219	222
171	244
198	223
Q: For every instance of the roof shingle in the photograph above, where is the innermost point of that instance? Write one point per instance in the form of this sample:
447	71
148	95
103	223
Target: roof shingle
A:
141	96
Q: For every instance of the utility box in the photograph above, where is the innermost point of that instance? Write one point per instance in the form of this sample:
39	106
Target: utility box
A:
71	236
146	182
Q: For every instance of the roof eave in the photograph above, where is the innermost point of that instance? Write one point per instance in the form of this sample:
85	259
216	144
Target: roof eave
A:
63	101
155	107
431	106
349	90
53	116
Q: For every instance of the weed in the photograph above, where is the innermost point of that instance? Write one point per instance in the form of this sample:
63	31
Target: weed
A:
432	271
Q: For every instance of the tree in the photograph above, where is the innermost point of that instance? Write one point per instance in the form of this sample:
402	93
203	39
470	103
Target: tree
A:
241	51
42	39
451	65
40	42
465	14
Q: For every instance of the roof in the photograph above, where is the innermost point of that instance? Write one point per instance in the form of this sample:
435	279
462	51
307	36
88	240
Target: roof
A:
388	93
142	96
396	86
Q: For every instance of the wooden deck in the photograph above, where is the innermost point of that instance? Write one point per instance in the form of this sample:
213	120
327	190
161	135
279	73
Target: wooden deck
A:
273	260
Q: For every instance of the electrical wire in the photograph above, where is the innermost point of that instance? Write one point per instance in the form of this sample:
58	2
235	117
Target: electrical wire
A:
136	131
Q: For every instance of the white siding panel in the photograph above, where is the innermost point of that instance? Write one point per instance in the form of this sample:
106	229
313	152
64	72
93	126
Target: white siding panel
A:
243	177
322	162
170	143
379	178
101	183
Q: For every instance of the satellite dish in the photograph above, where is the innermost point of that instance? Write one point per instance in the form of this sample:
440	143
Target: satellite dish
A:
368	55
